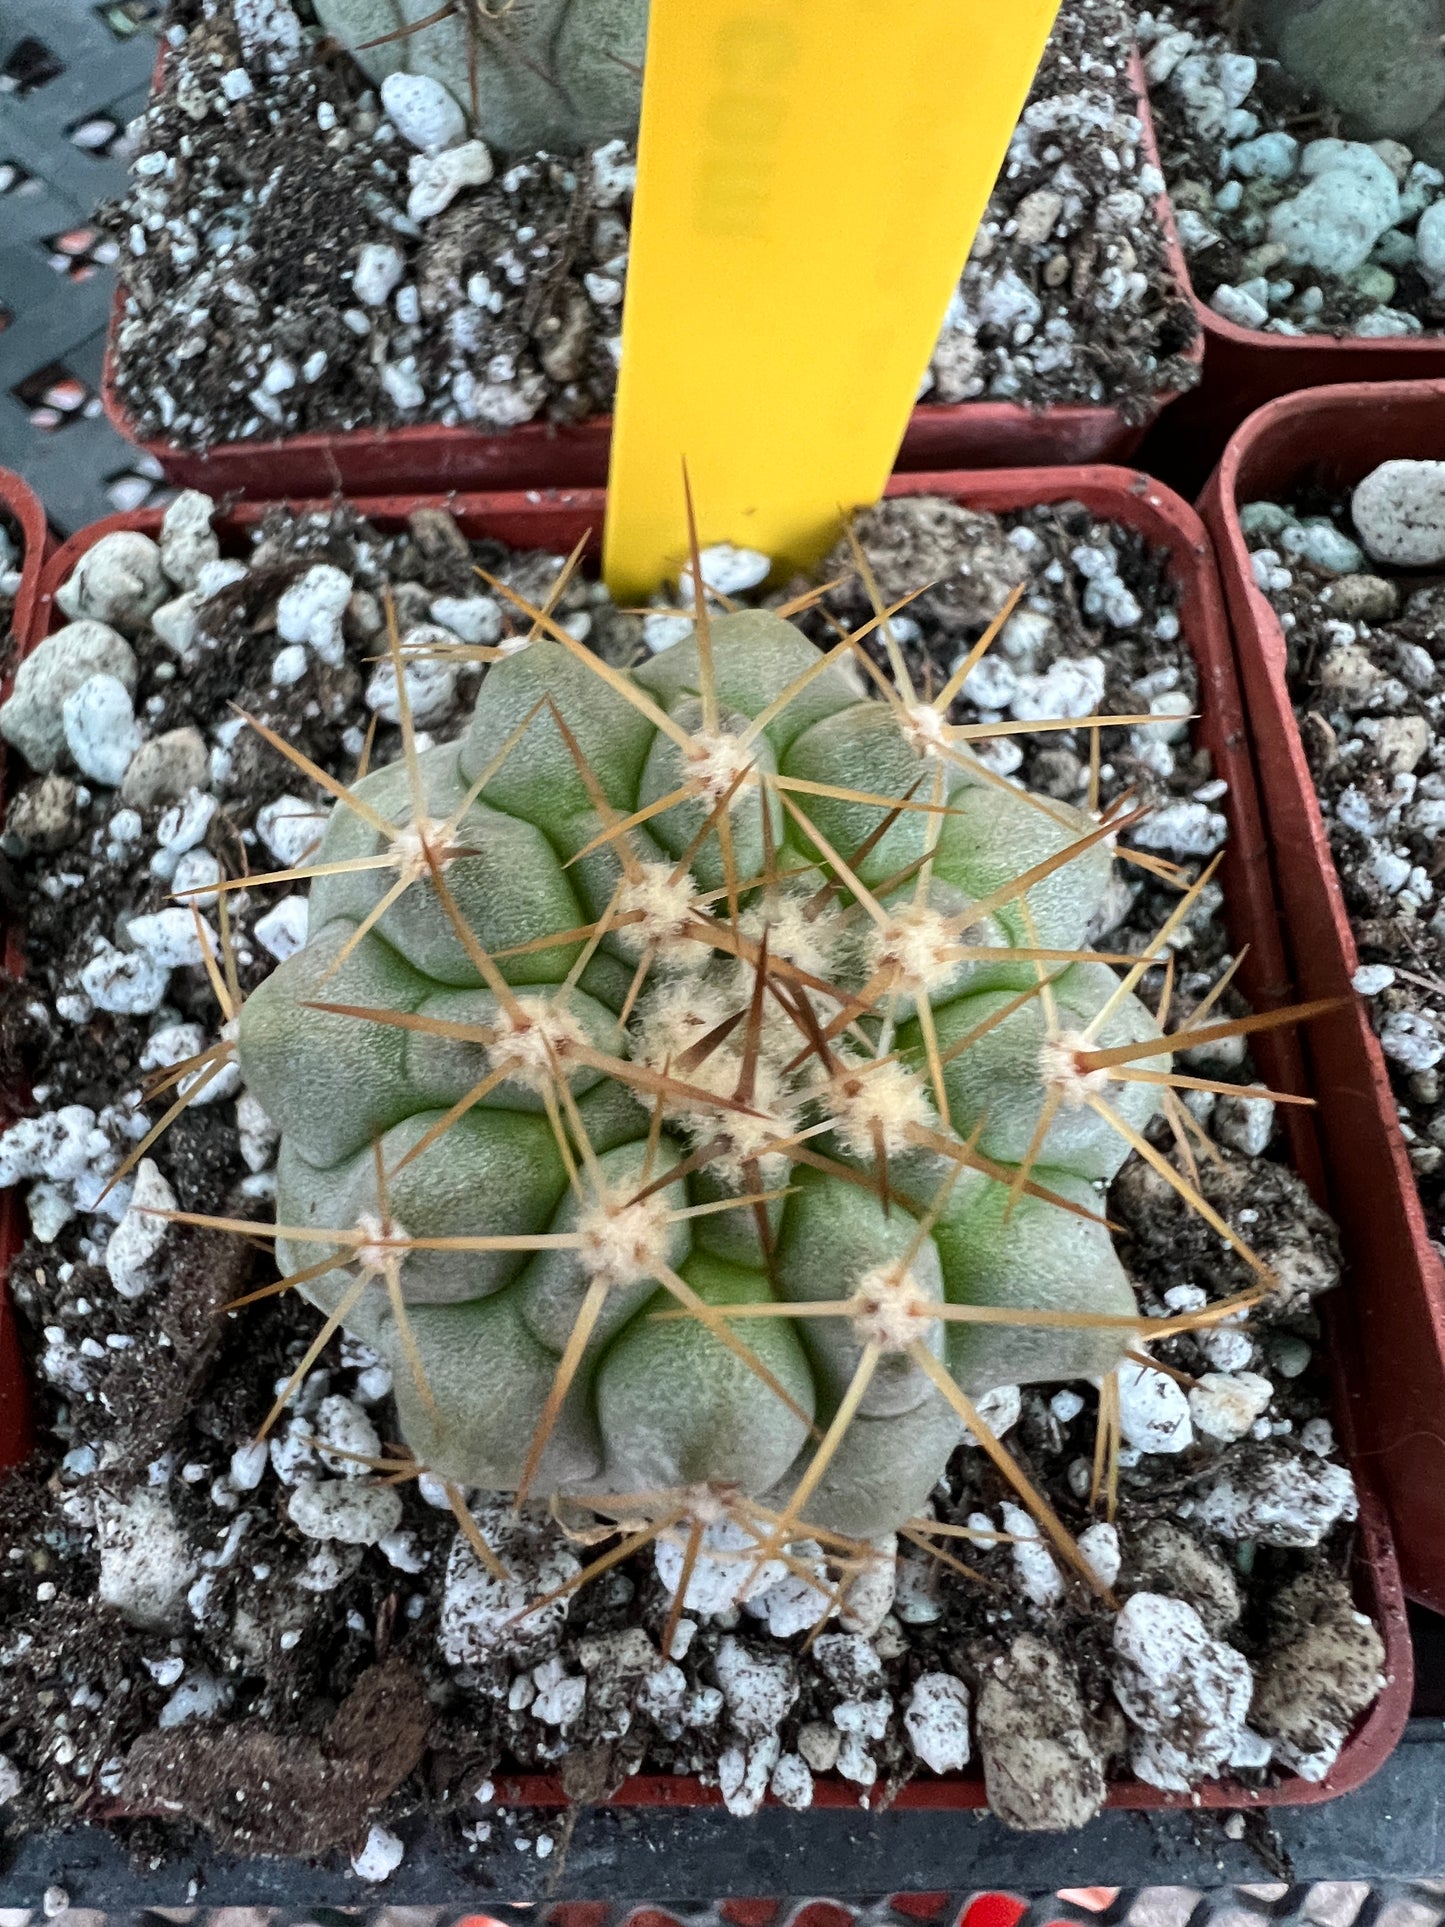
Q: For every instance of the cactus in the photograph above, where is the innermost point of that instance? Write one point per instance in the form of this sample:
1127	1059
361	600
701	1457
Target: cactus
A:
1380	62
559	74
662	1006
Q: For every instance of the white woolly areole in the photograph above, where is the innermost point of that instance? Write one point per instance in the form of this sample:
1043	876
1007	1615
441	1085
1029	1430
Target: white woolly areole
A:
716	759
622	1243
890	1309
415	844
532	1040
1060	1069
872	1102
924	729
919	945
809	943
383	1243
665	911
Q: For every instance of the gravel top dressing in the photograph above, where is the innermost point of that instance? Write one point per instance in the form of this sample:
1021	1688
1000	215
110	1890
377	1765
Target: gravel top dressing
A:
1361	599
1287	227
293	262
273	1642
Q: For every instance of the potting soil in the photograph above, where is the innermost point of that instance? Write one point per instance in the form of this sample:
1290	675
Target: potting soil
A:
179	1647
282	276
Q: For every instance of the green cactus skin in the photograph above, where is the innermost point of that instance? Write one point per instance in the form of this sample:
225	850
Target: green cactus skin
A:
557	74
662	1403
1379	61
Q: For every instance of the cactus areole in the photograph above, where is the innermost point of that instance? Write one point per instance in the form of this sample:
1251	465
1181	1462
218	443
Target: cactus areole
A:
660	1006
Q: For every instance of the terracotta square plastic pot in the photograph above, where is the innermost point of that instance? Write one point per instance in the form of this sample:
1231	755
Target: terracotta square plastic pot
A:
1334	437
430	457
1244	368
20	506
555	521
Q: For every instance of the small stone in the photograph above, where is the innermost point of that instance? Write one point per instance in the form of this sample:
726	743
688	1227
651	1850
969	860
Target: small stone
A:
379	267
728	570
1245	1123
1270	157
290	827
1237	306
819	1745
1430	246
1401	742
422	111
137	1239
1361	598
1153	1411
1371	979
430	683
757	1687
437	179
311	611
936	1722
146	1564
32	717
167	768
1225	1405
475	619
1041	1766
380	1857
126	981
188	541
1039	1578
346	1509
1399	510
43	817
791	1784
282	931
119	580
1186	1695
1100	1547
101	732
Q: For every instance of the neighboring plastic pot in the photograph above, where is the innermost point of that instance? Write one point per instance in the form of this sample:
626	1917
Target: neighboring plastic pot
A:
1334	437
1245	367
555	521
430	457
18	505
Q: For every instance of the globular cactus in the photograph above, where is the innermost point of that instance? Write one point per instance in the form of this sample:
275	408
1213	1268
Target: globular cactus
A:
559	74
664	1004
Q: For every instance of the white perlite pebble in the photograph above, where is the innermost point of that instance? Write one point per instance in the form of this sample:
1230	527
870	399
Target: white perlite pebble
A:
379	267
1235	305
758	1688
311	611
171	937
1371	979
475	619
936	1722
345	1509
743	1774
1245	1123
10	1780
662	632
422	111
437	179
728	570
188	541
1334	221
289	665
380	1857
1153	1411
479	1612
1102	1555
32	717
290	827
719	1583
259	1136
197	1699
1186	1695
125	981
146	1564
282	931
430	684
140	1233
1039	1579
343	1426
1183	829
120	581
1288	1502
799	1600
791	1784
1072	686
1226	1404
1411	1039
1430	246
248	1465
1399	513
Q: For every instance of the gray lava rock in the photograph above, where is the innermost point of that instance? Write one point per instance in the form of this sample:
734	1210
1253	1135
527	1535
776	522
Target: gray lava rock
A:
1042	1768
43	817
33	718
166	768
1399	511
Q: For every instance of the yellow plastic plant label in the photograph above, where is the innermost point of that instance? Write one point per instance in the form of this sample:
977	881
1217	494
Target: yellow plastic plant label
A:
811	176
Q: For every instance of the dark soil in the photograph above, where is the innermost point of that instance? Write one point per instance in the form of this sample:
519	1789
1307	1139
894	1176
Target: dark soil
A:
220	291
